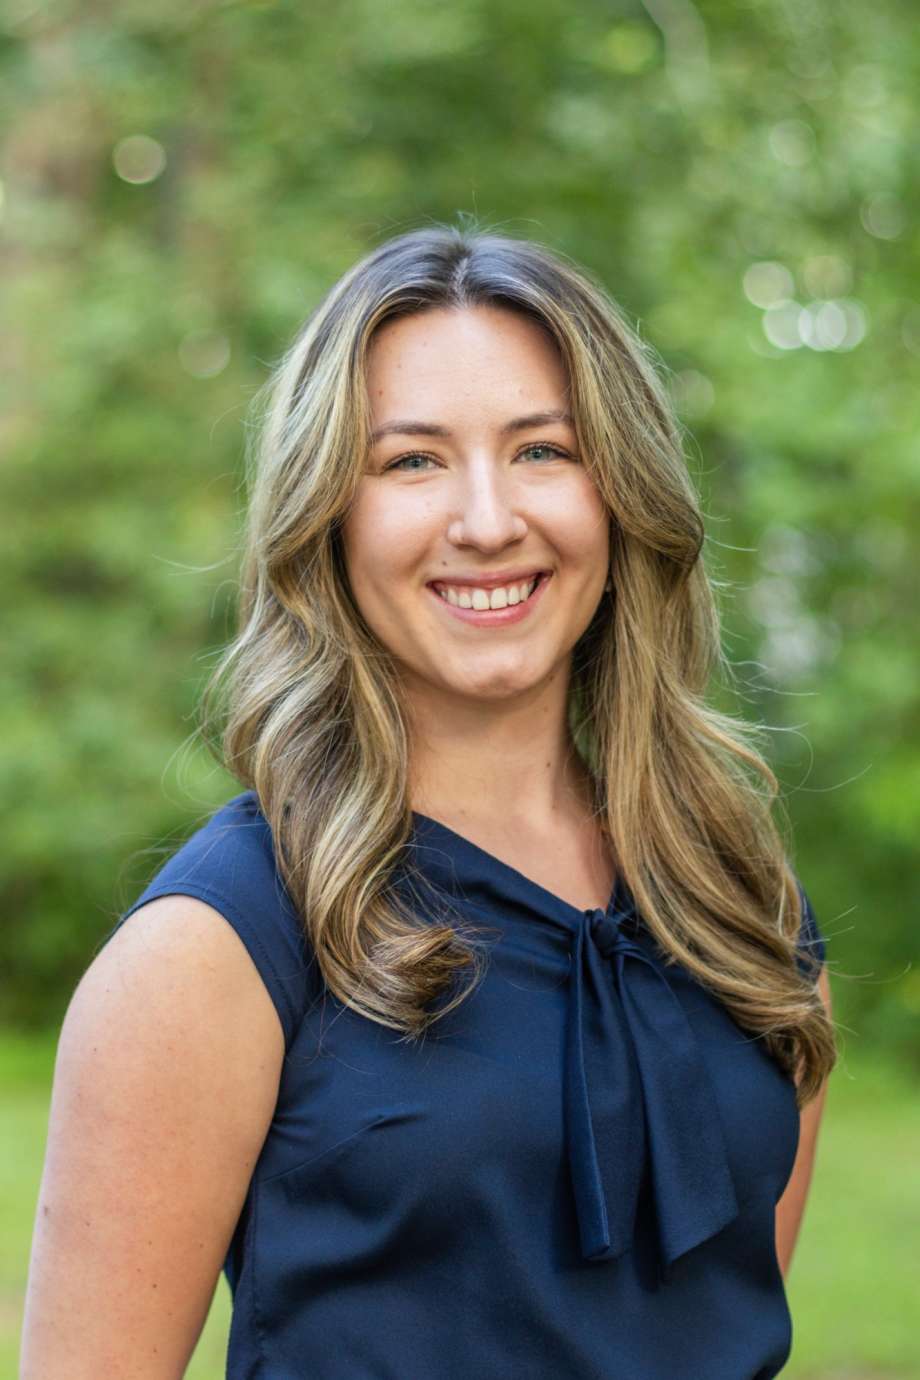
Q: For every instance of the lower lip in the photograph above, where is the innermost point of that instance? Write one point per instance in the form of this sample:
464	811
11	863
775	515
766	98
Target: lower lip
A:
494	618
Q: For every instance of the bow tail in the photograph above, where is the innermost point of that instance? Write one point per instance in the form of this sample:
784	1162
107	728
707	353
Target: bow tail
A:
693	1189
605	1130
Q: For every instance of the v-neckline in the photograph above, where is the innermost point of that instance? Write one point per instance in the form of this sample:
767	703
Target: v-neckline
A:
539	891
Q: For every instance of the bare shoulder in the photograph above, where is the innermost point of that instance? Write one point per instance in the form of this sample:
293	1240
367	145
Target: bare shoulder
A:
165	1084
174	943
175	978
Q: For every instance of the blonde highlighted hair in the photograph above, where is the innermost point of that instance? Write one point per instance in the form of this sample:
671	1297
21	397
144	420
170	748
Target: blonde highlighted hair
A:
305	708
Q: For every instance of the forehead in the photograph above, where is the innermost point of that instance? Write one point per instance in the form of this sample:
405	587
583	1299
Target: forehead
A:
449	355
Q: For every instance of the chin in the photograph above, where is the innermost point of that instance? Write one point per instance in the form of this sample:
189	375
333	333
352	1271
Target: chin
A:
495	685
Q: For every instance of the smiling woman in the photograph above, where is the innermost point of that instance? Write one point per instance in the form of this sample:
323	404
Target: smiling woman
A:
496	998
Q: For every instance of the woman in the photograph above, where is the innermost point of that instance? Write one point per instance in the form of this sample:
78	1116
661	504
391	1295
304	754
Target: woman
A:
483	1033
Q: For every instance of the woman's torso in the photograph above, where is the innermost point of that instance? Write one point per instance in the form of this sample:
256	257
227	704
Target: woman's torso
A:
413	1210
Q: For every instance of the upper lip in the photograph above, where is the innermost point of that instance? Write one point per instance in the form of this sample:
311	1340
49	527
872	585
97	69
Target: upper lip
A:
493	581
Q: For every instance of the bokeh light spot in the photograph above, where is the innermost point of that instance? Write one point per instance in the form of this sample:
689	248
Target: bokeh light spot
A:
857	323
883	216
204	353
781	324
792	142
823	325
692	392
138	158
767	282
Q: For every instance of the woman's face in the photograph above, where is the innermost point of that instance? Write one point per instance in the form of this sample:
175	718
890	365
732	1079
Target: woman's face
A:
466	490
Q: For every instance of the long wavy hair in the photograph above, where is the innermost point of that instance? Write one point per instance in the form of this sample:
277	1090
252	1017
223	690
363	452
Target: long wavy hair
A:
304	705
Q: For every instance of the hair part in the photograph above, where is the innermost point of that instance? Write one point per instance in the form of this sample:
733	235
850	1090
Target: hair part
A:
304	705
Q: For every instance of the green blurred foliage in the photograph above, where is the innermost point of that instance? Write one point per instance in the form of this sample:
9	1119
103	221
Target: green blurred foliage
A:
181	184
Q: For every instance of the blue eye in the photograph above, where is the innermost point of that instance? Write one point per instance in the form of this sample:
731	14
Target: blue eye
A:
544	445
554	453
414	455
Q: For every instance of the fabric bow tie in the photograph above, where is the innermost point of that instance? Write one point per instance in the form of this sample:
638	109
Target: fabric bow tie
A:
637	1095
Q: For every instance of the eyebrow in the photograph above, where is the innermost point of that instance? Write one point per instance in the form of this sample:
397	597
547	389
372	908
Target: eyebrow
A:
414	428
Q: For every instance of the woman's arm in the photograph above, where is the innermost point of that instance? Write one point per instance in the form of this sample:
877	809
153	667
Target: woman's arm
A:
791	1205
165	1084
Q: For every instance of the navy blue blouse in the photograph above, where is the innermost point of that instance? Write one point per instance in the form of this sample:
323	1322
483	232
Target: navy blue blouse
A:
574	1176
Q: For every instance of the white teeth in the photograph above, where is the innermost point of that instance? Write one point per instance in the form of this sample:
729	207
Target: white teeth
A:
463	597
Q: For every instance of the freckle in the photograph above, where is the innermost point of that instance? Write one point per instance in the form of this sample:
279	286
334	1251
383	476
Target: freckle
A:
45	1211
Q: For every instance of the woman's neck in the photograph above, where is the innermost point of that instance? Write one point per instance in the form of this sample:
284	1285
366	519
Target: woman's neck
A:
500	761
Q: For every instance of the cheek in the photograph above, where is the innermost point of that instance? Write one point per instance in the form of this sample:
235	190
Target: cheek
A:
575	516
381	537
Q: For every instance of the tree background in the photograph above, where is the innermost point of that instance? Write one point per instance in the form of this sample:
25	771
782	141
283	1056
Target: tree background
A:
181	183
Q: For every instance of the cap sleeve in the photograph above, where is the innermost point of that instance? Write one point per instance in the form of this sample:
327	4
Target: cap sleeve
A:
230	864
811	945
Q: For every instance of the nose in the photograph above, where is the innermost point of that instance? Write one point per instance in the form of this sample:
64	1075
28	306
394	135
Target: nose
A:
487	512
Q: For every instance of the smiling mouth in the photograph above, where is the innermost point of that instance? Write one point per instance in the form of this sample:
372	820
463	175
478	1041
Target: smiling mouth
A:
481	600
